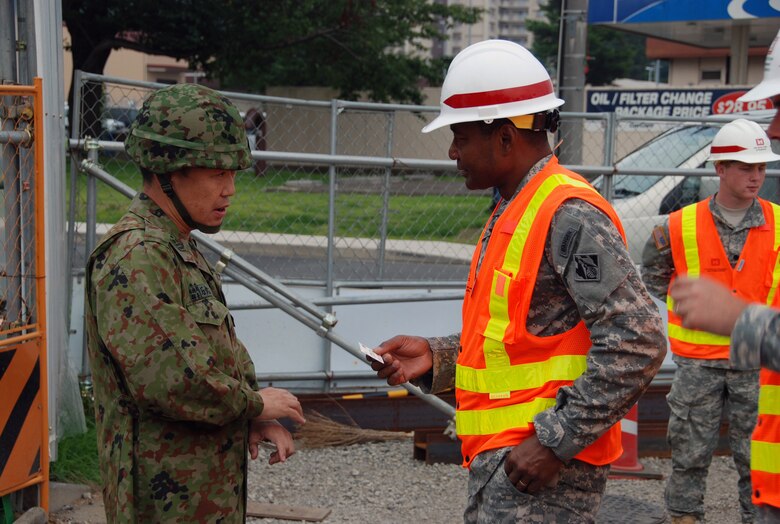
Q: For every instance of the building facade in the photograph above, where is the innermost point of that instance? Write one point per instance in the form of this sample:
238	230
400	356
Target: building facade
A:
504	19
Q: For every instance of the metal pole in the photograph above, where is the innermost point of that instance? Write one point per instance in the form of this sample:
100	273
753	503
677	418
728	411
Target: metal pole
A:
740	45
7	43
609	151
63	380
571	75
74	118
17	138
386	197
329	277
93	151
367	299
9	167
26	42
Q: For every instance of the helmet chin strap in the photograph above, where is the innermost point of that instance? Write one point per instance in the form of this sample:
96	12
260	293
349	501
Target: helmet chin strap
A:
167	187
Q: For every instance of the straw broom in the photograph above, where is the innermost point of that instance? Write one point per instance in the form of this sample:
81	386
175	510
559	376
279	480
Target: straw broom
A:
321	432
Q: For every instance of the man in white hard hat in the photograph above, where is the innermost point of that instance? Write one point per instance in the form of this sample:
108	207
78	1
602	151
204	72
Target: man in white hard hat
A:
559	336
730	237
769	87
754	330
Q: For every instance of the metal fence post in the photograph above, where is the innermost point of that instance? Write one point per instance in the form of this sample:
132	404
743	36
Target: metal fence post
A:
386	196
609	151
329	277
93	150
74	122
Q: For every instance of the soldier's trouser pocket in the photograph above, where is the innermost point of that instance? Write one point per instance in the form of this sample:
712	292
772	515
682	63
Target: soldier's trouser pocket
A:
693	431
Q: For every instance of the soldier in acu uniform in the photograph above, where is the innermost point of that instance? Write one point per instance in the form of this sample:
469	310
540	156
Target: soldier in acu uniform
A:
559	336
178	406
755	341
703	304
732	237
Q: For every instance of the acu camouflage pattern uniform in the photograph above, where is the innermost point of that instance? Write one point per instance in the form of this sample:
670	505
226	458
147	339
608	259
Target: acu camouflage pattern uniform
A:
701	387
755	341
628	348
174	387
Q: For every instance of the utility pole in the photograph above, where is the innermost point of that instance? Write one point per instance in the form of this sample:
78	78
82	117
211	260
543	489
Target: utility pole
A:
572	48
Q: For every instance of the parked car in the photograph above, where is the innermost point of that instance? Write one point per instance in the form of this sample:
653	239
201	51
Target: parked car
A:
641	201
114	122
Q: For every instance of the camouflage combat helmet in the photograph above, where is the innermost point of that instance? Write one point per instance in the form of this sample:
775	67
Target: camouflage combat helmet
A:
188	125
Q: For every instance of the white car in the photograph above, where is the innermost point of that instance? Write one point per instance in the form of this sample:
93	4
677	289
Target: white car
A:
642	201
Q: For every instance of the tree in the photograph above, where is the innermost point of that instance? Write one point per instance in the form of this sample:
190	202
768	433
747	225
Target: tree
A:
611	53
354	46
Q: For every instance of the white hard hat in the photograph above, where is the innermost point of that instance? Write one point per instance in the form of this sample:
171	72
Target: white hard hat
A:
742	140
770	85
494	79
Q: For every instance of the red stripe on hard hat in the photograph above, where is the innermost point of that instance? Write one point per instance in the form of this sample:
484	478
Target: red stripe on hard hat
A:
500	96
726	149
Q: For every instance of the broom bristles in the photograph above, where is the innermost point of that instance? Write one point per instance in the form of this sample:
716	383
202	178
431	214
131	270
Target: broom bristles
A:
321	431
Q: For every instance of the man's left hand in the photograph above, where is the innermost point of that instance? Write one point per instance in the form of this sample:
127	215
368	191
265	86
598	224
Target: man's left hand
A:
531	467
273	432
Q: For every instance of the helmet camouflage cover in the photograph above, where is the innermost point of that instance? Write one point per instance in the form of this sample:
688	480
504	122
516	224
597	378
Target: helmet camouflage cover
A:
188	125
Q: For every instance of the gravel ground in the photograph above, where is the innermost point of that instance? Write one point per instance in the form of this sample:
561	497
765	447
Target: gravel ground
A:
383	483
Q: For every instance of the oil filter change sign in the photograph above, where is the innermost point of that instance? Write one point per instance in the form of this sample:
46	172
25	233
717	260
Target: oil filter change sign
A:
684	103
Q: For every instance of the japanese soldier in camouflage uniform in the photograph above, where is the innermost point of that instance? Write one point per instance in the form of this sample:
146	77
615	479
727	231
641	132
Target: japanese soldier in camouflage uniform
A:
178	407
551	355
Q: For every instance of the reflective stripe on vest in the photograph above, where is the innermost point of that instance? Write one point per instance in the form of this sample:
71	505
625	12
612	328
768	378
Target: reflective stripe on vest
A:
765	456
497	403
772	296
687	261
765	443
524	376
495	354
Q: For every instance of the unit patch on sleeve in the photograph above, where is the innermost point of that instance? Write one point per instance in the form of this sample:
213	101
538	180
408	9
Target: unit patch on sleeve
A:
586	268
659	236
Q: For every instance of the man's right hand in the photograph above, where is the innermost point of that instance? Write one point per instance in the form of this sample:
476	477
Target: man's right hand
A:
404	358
280	403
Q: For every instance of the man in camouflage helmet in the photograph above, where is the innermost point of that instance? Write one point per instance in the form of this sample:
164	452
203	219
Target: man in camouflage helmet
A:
177	403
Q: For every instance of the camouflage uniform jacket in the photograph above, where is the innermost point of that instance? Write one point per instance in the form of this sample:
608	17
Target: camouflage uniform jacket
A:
174	388
626	332
658	265
755	340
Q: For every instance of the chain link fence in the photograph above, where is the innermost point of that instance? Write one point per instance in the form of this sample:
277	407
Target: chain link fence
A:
24	429
18	269
354	192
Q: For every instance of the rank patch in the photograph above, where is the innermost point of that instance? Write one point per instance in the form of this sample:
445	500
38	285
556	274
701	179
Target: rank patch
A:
199	292
586	268
568	241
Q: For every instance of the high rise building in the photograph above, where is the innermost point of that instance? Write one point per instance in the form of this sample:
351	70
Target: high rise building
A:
503	19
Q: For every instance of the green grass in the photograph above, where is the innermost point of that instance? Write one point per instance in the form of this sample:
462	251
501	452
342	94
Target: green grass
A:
257	207
77	458
77	455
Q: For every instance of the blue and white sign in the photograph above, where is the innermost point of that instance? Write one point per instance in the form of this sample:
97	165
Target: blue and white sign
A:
684	103
646	11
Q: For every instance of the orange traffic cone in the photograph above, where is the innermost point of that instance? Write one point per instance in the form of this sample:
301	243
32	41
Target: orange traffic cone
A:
629	460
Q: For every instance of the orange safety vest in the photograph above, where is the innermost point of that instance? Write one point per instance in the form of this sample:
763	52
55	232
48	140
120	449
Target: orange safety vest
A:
765	445
698	250
505	375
